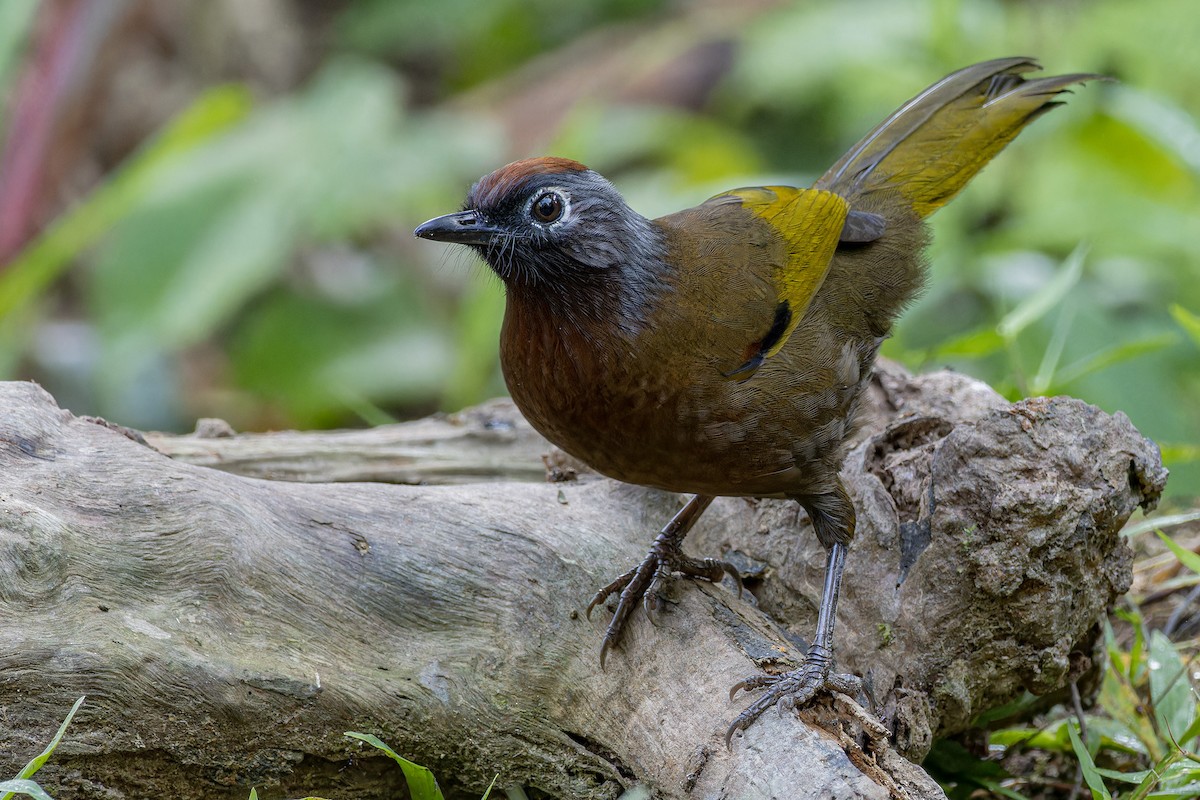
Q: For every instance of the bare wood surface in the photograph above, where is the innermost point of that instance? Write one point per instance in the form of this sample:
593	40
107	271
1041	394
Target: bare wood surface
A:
227	629
491	441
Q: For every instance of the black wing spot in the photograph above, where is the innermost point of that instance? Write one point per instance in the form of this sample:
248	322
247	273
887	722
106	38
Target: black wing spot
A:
757	351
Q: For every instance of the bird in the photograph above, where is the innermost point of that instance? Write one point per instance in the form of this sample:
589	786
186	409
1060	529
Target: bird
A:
724	350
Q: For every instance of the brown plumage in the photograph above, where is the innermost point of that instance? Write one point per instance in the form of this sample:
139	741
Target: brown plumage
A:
723	349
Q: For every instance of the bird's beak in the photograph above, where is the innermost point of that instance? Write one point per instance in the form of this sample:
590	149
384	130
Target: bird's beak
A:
461	227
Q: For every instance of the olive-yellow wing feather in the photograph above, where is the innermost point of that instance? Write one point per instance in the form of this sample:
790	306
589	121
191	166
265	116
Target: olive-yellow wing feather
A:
810	222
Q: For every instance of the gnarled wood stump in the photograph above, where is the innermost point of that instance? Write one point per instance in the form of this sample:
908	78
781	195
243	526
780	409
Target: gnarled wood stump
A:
227	629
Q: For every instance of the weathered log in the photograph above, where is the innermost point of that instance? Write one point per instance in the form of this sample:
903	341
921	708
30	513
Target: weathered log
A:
491	441
228	629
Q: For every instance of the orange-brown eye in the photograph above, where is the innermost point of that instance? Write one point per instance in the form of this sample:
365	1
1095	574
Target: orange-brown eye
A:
547	207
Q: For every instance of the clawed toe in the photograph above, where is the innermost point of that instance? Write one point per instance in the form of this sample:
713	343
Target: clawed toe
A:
789	691
752	683
646	583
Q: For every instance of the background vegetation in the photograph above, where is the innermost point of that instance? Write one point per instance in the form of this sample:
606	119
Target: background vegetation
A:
218	223
206	207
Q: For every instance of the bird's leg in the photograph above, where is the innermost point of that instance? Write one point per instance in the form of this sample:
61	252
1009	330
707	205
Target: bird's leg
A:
665	558
833	519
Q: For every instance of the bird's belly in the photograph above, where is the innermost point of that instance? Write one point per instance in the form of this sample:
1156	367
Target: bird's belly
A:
685	438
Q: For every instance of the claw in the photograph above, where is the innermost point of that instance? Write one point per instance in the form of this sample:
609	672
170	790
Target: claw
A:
752	683
650	605
608	591
734	728
647	580
788	691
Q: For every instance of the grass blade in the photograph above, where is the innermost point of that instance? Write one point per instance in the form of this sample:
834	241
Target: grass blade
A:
421	783
1188	321
1116	354
1186	557
22	786
1037	305
40	760
1088	767
1169	521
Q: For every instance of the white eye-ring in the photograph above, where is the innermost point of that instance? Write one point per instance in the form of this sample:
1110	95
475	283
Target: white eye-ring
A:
549	206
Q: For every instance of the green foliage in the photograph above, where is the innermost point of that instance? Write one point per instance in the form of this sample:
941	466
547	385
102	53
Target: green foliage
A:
23	783
223	225
962	774
1146	715
52	253
273	238
1088	767
16	17
1188	321
467	41
421	783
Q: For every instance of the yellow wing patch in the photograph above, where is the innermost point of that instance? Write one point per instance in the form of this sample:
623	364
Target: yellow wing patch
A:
810	221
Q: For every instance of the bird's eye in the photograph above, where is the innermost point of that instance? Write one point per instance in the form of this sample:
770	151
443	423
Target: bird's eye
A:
547	207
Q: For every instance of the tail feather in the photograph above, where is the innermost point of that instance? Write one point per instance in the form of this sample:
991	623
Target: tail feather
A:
930	147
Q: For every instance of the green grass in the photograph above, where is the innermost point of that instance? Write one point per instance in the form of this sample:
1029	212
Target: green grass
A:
23	782
421	783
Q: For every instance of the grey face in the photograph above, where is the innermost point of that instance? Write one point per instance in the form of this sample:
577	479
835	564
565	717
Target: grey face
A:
536	226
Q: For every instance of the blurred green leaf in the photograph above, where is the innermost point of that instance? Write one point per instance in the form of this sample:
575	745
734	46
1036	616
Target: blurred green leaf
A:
1174	454
1118	697
51	253
1193	730
1186	557
975	344
220	227
1188	321
951	763
16	20
1050	295
1162	521
311	358
1112	356
474	374
1170	691
1088	767
1052	737
1160	119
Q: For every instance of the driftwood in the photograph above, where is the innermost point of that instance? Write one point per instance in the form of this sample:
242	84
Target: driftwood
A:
228	629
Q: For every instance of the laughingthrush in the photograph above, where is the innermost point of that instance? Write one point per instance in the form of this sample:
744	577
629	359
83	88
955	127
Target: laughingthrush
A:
724	349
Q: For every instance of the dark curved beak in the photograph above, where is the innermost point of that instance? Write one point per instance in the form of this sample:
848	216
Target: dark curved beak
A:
461	227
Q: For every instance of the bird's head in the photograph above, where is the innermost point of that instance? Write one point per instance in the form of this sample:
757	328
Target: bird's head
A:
550	223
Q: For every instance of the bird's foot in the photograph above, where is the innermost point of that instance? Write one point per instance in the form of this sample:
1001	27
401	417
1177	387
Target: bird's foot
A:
792	689
645	581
